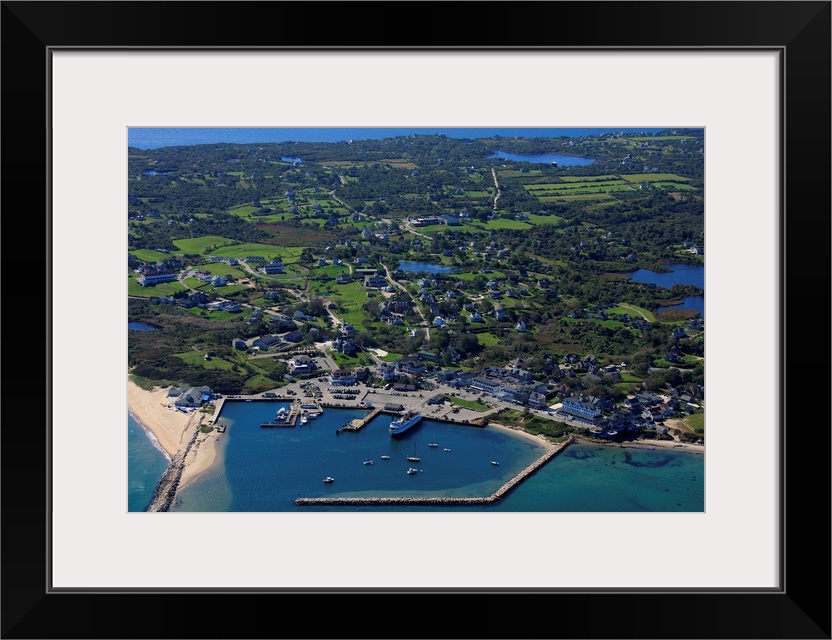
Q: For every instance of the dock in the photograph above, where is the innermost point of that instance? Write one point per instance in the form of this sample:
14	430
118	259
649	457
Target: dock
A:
359	423
447	501
290	422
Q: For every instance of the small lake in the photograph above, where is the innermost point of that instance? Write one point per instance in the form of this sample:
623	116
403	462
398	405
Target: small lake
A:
157	173
288	159
694	303
693	274
545	158
141	326
425	267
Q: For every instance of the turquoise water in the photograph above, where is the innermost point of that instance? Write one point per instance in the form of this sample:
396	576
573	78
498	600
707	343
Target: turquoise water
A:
146	462
264	470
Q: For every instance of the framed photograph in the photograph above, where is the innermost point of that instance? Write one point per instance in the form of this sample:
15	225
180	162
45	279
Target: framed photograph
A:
754	77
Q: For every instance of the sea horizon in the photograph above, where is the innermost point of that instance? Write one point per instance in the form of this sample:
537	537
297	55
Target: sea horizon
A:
159	137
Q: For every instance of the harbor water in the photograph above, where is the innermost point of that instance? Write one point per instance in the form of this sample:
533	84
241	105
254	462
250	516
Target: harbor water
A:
265	470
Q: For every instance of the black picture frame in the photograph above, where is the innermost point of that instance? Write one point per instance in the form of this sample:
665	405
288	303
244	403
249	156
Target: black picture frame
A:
800	608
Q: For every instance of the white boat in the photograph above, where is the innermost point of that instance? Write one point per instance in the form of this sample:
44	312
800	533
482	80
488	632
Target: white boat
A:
304	419
329	479
433	444
403	423
446	449
495	463
414	457
412	471
385	457
368	462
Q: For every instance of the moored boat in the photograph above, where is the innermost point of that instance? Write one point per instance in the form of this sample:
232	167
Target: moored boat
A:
403	423
329	479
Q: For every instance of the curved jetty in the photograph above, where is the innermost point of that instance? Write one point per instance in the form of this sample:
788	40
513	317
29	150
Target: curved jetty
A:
494	497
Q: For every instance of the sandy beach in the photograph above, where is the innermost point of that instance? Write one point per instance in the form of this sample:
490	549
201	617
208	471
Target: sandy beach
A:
150	409
537	439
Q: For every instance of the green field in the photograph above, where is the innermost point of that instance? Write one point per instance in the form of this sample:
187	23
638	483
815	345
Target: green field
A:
634	311
148	255
673	186
267	251
611	178
198	358
654	177
153	291
203	244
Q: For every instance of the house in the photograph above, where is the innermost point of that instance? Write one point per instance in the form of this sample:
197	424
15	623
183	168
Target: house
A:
274	267
344	278
218	281
520	325
265	342
537	400
500	314
302	364
237	343
190	397
375	281
342	377
411	365
149	278
476	317
581	407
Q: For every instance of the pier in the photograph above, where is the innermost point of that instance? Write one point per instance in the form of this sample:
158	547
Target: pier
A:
290	421
358	423
494	497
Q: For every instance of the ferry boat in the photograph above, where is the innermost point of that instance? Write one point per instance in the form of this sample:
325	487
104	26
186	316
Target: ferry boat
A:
403	423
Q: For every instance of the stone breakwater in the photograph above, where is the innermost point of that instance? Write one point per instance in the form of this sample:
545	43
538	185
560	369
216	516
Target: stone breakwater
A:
494	497
165	492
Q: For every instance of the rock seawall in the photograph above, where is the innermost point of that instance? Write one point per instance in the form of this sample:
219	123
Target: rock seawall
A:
165	492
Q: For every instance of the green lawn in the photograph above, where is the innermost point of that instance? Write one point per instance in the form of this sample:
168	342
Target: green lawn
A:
203	244
476	405
153	291
632	310
198	358
487	339
148	255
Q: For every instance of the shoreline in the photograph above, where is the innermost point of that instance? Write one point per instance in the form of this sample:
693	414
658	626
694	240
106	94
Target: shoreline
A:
645	444
168	426
541	440
171	430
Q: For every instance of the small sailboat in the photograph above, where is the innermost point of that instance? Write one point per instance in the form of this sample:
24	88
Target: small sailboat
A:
385	457
329	479
414	457
411	471
495	463
433	444
368	462
446	449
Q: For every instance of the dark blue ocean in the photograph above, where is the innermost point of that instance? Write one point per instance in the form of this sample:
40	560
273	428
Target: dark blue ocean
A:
157	137
264	470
